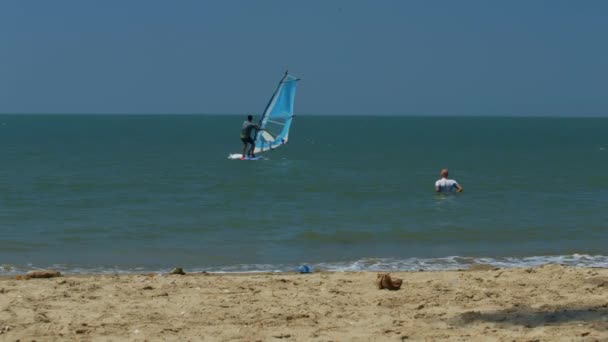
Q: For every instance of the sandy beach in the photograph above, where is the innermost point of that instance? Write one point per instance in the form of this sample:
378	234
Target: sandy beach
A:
548	303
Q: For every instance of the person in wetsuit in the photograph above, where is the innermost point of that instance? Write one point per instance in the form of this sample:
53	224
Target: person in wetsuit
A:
246	130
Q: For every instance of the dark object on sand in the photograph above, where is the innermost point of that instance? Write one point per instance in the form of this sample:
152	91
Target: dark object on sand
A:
384	281
42	274
177	270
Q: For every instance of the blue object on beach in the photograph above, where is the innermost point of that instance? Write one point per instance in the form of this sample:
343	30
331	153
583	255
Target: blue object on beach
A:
303	269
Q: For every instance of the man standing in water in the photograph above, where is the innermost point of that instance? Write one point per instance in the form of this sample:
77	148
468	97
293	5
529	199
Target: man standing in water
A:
246	129
446	185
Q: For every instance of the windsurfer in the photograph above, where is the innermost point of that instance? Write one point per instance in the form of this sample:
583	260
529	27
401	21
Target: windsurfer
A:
246	129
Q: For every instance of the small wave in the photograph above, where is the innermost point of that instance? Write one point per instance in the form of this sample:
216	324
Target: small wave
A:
370	264
457	262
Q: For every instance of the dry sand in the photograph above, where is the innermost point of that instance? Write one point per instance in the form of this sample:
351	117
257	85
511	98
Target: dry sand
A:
549	303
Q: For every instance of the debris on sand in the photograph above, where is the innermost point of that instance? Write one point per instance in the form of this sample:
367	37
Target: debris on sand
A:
42	274
384	281
177	270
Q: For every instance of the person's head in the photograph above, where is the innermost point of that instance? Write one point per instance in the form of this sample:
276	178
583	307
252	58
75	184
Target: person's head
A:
249	117
444	173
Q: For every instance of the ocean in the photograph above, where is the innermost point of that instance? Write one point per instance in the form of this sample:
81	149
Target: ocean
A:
146	193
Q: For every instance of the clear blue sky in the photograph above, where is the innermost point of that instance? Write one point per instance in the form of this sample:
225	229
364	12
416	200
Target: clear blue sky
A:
354	57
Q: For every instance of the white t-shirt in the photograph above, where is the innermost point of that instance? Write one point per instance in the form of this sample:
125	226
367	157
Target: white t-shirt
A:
446	185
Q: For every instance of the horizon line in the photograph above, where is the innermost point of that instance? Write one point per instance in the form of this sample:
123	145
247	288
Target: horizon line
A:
330	114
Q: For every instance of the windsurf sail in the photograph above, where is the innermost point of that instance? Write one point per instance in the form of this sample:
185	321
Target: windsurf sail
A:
277	117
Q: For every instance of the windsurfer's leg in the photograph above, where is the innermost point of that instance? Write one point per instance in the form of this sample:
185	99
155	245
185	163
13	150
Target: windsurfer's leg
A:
252	143
244	148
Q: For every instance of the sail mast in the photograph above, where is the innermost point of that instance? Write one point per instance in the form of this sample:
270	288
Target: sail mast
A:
272	98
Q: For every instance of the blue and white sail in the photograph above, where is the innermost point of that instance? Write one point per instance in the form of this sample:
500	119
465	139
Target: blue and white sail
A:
277	116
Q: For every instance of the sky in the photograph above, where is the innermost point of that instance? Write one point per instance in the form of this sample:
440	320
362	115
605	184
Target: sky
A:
524	58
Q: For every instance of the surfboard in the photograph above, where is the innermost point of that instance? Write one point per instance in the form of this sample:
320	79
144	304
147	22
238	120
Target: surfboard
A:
238	156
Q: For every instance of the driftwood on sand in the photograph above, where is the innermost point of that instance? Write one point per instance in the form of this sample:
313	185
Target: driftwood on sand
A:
42	274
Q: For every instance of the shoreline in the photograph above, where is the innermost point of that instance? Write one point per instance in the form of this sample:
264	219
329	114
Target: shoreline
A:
546	303
413	264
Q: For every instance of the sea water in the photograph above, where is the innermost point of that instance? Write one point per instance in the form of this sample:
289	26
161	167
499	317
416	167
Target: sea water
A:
145	193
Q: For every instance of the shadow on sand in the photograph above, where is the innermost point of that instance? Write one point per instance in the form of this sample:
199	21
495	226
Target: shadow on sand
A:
545	315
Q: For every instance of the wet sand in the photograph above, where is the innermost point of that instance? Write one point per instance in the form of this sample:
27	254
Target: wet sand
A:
549	303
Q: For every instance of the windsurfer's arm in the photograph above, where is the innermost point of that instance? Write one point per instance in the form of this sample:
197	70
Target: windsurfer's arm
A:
458	187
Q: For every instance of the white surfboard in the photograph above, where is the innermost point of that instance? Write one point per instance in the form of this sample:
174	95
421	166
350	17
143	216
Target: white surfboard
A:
238	156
